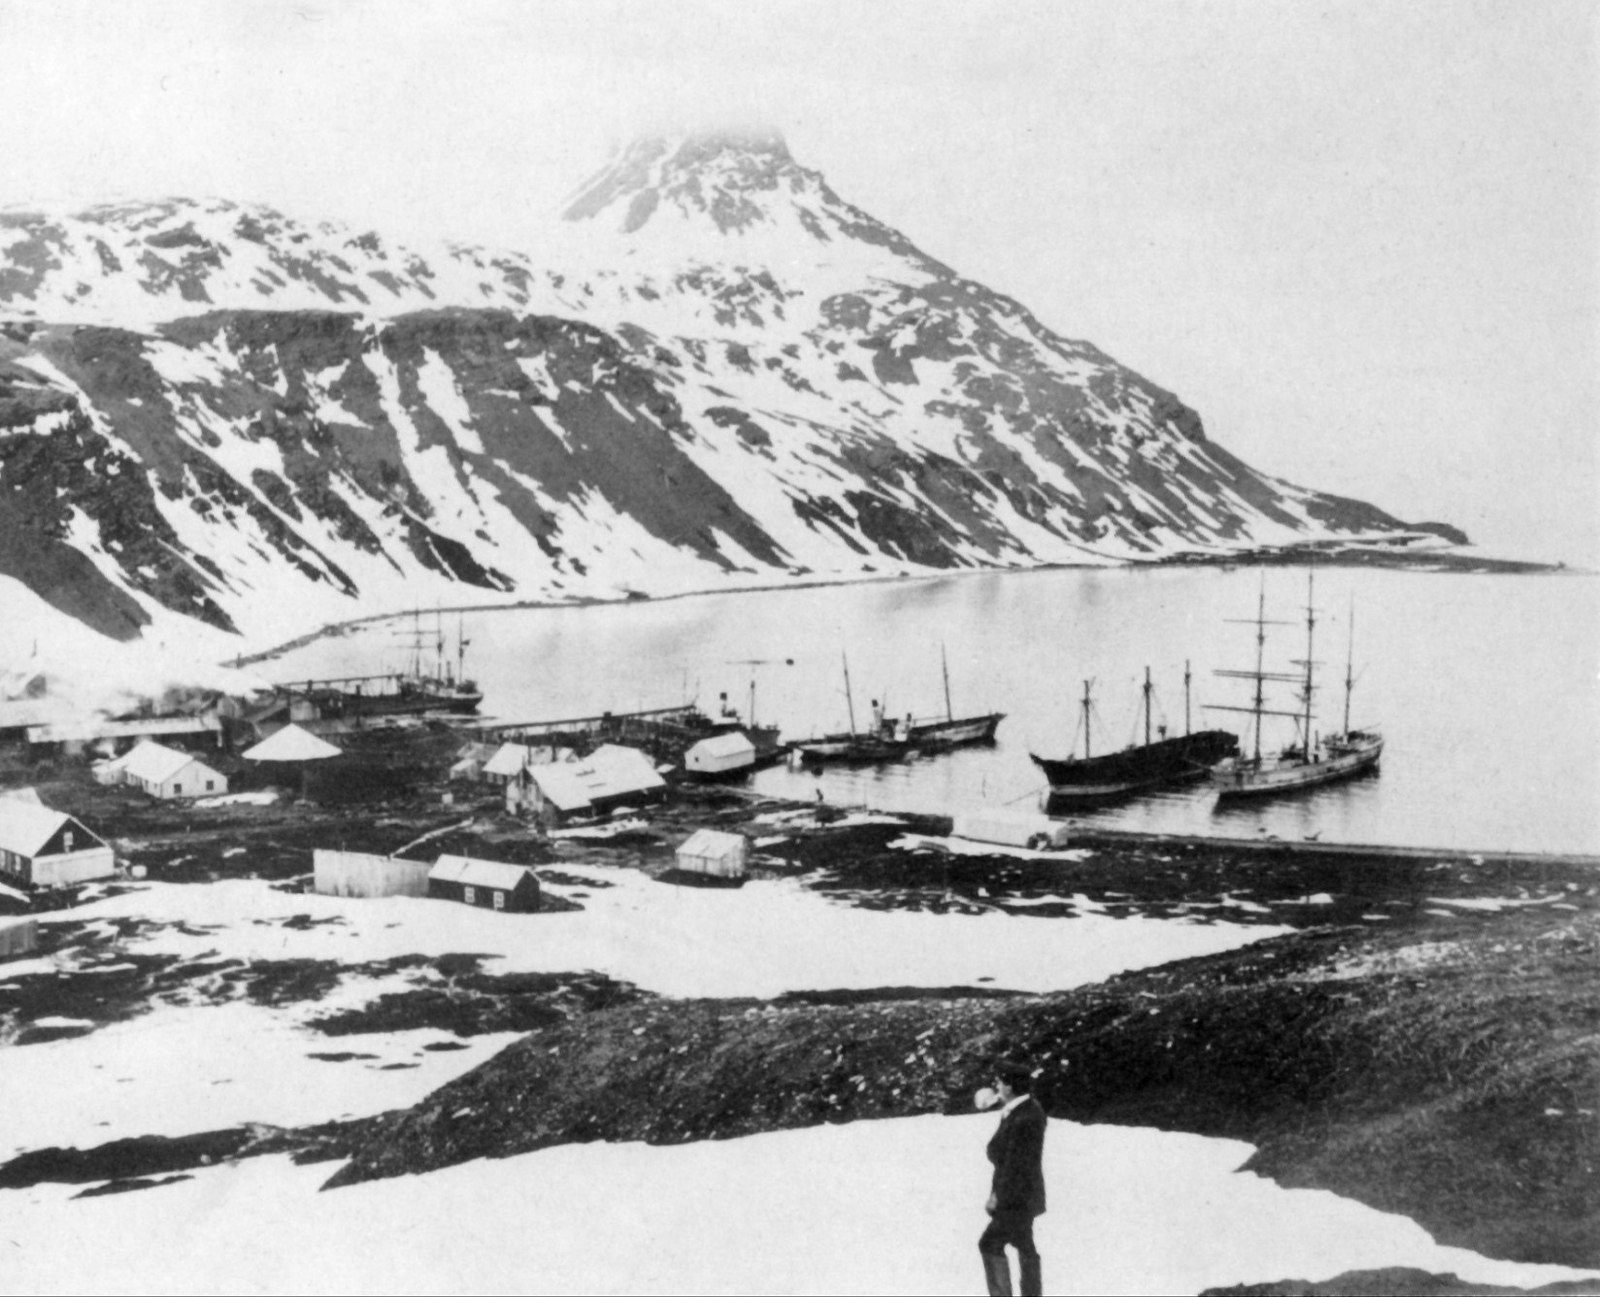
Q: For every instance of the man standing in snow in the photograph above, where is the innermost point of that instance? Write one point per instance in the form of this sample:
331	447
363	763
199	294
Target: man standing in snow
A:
1017	1194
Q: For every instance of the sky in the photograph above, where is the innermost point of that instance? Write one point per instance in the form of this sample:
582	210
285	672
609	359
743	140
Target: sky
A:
1360	238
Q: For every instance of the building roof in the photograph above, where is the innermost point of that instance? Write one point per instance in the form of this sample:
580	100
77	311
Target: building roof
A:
21	795
291	743
89	731
26	827
508	759
610	771
735	743
713	843
469	872
154	762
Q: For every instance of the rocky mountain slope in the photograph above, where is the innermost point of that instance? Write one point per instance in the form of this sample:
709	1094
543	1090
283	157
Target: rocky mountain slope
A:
723	375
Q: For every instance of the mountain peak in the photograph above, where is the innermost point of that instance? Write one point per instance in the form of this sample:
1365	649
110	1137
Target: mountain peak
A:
712	172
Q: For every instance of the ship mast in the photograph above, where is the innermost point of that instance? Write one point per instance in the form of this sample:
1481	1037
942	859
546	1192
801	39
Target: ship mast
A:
1349	664
849	702
1147	706
944	665
752	700
1261	657
1311	625
1086	750
1186	696
1260	675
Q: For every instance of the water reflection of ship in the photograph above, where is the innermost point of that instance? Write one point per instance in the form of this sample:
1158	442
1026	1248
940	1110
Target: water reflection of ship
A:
1156	763
1308	761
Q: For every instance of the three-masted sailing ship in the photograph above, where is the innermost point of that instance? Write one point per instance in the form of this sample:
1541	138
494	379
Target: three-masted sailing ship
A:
1310	760
1156	763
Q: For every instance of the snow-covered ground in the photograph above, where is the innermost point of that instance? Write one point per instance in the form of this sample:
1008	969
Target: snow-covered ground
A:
765	938
872	1207
186	1067
888	1206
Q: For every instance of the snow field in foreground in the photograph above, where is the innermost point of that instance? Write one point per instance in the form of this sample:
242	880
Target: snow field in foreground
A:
763	939
872	1207
181	1068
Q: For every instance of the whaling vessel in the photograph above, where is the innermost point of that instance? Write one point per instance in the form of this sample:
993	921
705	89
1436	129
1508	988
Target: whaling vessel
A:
1156	763
1310	760
952	731
885	741
416	690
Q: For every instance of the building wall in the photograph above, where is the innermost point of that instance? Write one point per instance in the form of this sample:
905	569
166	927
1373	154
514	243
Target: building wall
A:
71	867
18	938
361	874
727	865
190	782
523	900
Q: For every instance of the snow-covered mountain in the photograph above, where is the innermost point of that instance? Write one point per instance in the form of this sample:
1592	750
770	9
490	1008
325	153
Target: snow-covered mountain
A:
721	374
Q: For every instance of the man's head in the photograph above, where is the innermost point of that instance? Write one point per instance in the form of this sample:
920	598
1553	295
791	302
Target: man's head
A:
1012	1079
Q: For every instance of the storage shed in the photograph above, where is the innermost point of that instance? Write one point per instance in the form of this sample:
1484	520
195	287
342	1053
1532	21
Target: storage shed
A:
359	873
722	755
610	777
18	937
487	883
166	773
509	760
47	848
708	851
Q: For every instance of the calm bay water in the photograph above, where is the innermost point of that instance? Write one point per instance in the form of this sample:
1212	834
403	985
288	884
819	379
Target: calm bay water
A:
1487	687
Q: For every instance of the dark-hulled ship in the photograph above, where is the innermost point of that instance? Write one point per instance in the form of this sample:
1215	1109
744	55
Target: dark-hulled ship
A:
1156	763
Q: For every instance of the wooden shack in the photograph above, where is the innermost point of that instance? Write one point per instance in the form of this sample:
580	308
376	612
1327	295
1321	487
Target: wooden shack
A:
18	937
719	855
487	883
46	848
721	756
362	874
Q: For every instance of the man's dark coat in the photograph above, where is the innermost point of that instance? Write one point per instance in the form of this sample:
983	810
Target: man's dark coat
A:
1017	1151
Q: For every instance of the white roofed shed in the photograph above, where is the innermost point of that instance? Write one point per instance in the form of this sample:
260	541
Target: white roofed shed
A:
708	851
720	754
166	772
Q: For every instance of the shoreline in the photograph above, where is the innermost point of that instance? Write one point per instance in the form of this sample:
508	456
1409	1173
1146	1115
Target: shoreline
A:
1346	554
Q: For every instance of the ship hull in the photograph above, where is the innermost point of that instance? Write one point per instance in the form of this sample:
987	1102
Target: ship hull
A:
407	702
958	732
1088	780
851	749
1237	780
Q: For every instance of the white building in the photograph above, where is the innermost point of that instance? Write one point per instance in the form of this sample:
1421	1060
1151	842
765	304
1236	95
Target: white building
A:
721	855
508	761
47	848
610	777
166	772
722	754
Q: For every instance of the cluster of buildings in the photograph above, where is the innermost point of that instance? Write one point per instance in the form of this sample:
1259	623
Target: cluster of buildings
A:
552	784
